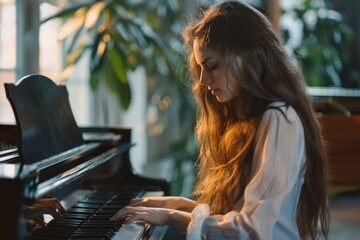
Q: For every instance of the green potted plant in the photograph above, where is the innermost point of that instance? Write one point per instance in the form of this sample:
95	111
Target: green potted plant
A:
120	37
322	45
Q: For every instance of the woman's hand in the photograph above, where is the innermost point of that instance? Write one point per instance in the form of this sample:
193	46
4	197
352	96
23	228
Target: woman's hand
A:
154	216
171	202
51	206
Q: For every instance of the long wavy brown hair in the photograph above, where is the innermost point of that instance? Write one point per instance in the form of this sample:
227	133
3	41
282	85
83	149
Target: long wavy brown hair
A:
225	131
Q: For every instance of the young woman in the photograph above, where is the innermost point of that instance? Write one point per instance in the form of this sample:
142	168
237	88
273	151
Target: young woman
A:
262	163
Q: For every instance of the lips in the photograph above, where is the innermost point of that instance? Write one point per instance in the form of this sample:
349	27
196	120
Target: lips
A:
213	90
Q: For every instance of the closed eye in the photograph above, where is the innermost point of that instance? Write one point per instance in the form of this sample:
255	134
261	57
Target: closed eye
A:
212	67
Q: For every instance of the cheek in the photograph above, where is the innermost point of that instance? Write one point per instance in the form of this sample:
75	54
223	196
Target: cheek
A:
234	85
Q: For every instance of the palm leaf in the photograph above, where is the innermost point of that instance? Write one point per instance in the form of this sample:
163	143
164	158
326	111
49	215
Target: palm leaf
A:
76	54
122	13
66	13
73	25
74	41
134	29
121	30
122	91
66	73
97	54
94	13
149	33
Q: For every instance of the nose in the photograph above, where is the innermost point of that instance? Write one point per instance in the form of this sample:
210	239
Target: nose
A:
205	78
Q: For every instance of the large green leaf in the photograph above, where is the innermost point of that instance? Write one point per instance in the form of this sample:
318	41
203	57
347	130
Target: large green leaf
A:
118	64
120	38
94	79
121	90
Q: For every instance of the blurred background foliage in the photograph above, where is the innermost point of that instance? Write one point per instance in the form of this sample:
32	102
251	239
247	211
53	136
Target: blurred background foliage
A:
321	41
118	36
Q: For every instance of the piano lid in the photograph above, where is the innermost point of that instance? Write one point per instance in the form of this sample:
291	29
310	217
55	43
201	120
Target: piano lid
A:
44	117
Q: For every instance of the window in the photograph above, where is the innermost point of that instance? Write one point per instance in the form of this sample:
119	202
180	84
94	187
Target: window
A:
7	55
34	49
50	50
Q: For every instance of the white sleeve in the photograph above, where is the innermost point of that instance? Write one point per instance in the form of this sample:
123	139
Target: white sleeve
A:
271	197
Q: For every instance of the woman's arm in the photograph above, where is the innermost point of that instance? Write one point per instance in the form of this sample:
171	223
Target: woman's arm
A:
169	202
169	210
154	216
269	206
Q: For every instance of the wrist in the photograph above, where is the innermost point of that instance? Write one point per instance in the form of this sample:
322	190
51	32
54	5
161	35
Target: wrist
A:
179	219
186	204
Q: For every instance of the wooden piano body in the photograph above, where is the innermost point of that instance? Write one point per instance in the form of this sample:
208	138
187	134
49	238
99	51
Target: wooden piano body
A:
48	155
340	120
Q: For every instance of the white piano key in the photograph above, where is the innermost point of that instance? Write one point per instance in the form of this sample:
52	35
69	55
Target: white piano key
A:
132	231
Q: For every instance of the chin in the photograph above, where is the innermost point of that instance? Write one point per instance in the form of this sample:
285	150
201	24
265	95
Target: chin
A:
219	99
223	100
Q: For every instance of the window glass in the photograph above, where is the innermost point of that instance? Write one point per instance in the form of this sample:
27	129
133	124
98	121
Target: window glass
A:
7	35
7	56
50	48
6	113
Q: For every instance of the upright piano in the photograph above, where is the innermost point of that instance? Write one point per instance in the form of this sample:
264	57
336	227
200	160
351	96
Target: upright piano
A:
46	155
339	115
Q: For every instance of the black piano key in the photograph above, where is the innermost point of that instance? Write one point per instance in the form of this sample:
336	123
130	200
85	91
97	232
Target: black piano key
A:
100	217
75	216
89	238
45	238
101	222
81	210
114	206
65	223
88	218
52	234
88	231
100	226
108	210
88	235
97	197
93	201
104	214
86	205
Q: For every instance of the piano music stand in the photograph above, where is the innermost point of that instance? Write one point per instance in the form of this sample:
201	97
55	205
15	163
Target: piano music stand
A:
44	117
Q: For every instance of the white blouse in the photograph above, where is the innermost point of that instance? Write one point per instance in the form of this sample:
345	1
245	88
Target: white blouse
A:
268	207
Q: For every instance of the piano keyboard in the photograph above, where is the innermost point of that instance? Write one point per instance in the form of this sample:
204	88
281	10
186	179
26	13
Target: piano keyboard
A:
89	219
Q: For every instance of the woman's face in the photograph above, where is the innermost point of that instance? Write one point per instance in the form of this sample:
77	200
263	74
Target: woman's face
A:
214	73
